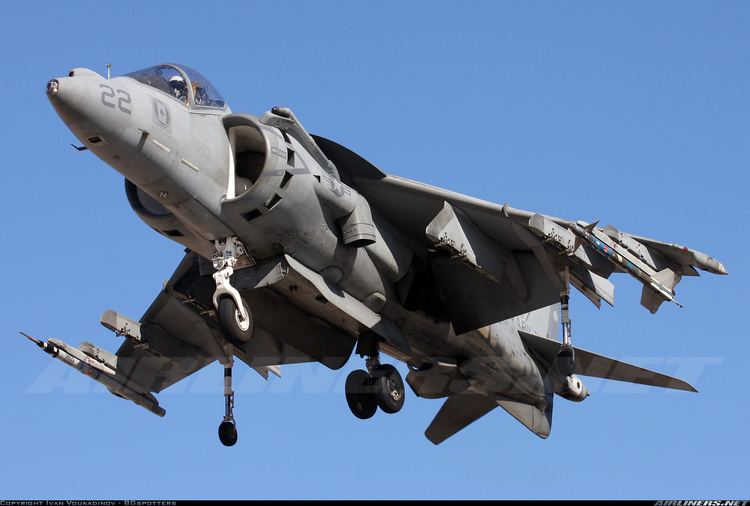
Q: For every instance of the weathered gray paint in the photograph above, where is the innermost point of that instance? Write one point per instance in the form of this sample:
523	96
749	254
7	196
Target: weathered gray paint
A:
465	291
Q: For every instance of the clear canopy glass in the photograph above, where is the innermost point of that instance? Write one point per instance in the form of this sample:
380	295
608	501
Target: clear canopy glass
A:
204	93
181	82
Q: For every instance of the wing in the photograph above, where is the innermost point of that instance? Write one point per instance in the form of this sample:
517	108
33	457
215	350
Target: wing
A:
177	336
493	262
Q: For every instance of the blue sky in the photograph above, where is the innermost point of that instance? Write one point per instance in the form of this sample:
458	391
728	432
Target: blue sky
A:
634	113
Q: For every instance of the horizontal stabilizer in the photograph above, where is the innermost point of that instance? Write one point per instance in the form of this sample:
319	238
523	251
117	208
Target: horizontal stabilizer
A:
457	412
538	422
598	366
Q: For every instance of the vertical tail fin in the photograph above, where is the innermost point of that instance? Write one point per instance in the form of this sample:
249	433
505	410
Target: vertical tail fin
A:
457	412
460	410
537	421
532	417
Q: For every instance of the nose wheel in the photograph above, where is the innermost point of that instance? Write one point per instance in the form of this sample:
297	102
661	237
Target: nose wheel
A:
237	329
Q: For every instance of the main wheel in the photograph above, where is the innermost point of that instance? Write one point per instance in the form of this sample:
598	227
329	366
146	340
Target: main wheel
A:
359	396
236	330
228	433
388	388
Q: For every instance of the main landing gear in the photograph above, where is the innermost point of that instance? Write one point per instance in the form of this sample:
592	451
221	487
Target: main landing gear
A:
380	386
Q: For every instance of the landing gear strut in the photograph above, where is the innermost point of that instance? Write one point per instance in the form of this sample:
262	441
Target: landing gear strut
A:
234	317
566	361
380	386
227	428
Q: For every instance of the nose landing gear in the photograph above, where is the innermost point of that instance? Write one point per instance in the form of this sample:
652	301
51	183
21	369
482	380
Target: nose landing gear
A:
234	317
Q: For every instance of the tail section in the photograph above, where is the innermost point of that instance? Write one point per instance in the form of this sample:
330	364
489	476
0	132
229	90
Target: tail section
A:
460	410
537	421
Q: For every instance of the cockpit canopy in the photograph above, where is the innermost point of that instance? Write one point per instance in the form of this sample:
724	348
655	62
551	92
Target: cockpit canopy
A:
183	83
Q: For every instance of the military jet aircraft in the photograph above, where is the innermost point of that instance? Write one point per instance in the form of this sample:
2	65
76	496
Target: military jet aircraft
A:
299	250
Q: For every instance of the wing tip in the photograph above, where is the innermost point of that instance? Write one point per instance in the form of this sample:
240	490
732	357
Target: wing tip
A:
676	384
689	388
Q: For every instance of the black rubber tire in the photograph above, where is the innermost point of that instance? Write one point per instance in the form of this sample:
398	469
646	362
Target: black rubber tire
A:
566	362
229	322
388	388
359	395
228	433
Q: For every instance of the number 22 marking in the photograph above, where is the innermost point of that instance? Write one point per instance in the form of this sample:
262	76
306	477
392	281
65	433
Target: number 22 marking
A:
123	101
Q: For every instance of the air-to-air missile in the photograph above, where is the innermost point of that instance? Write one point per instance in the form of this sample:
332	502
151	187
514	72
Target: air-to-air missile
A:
92	362
624	252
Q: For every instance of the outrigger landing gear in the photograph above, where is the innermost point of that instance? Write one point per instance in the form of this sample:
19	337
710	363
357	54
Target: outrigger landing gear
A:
380	386
234	317
566	361
227	428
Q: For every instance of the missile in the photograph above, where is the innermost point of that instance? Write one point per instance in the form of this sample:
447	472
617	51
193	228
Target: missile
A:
97	371
606	247
601	250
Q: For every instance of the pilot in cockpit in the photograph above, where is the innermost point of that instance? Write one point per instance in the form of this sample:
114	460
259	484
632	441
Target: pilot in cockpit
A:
178	88
200	94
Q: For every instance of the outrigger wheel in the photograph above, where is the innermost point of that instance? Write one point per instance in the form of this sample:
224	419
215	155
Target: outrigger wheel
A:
228	433
566	361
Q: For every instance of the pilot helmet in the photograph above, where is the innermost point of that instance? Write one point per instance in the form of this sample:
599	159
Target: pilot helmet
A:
177	83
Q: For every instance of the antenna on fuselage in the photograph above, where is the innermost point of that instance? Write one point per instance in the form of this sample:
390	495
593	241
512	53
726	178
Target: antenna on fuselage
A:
109	70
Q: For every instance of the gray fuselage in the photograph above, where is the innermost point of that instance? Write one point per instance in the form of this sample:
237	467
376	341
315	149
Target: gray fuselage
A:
200	173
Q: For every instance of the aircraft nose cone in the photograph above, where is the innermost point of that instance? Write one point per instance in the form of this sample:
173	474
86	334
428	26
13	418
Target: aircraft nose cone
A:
70	98
61	91
88	105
